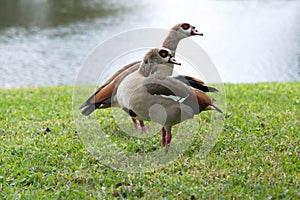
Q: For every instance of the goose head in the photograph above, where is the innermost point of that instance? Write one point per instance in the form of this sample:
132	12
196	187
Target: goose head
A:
155	57
186	30
179	32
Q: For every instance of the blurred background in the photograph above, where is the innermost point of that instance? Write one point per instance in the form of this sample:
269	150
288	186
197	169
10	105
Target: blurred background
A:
44	42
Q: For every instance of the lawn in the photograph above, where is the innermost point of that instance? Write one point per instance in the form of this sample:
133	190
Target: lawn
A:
257	155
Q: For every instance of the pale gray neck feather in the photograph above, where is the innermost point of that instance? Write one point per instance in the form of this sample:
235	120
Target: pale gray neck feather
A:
165	69
146	69
172	40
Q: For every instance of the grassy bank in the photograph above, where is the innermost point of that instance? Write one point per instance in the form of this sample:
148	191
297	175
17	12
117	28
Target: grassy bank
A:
256	156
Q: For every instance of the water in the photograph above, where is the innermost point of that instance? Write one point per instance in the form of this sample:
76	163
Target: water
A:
44	42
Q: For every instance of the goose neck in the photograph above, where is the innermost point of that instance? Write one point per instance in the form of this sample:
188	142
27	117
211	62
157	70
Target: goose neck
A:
172	40
146	69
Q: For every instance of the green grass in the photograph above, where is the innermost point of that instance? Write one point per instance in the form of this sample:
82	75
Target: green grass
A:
257	156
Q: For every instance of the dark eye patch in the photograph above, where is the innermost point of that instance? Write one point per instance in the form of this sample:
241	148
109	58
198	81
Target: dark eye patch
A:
185	26
163	53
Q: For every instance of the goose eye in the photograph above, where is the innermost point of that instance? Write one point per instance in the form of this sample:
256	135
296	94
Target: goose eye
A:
163	53
185	26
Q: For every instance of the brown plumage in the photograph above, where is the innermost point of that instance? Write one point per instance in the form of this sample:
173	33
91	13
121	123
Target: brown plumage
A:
195	83
102	97
178	32
204	101
115	75
149	102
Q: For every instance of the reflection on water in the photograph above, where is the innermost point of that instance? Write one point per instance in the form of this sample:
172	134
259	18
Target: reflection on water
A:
44	42
49	13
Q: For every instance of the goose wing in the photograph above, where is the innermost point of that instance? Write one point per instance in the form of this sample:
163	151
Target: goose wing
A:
195	83
102	97
165	85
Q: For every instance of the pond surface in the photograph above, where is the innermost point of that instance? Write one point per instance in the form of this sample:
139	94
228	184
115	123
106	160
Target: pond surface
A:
44	42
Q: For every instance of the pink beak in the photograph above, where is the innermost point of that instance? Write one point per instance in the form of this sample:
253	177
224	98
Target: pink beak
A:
173	61
195	32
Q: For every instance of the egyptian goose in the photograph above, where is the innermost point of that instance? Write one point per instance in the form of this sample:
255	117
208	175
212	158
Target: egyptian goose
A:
102	97
142	94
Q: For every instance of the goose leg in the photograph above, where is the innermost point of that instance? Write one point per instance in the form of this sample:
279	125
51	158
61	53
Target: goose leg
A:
143	126
163	138
168	139
135	124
